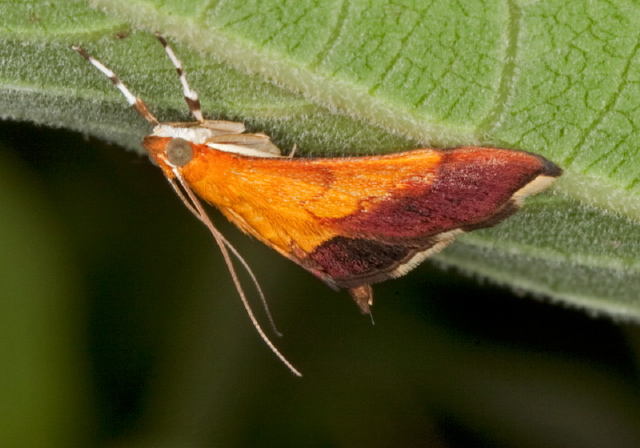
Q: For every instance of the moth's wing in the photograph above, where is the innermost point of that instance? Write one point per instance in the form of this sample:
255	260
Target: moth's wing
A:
357	221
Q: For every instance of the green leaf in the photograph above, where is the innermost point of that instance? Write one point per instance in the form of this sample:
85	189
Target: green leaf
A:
558	78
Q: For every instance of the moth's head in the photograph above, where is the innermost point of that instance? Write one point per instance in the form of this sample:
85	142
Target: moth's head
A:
171	145
169	153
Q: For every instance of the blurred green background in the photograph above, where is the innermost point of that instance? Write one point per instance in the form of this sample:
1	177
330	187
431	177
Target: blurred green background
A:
120	327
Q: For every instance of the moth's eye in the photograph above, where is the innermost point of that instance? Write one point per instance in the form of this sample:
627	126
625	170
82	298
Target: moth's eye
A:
179	152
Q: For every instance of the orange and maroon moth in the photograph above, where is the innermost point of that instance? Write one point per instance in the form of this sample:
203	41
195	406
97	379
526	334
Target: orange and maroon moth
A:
350	221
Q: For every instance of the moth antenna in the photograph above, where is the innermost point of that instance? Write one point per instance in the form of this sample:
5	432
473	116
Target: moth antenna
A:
254	279
190	95
239	257
293	151
225	254
133	100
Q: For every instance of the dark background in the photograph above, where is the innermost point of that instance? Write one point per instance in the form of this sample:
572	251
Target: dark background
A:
122	327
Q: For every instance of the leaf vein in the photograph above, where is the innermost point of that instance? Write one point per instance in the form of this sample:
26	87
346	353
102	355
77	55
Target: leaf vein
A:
334	37
608	107
386	72
507	77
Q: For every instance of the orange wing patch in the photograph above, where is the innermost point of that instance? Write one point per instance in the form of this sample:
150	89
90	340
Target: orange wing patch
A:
291	203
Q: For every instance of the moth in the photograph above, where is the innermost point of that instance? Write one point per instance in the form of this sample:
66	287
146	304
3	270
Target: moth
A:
350	221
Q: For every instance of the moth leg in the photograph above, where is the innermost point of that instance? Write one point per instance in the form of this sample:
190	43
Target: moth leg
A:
224	127
363	296
134	101
190	95
259	142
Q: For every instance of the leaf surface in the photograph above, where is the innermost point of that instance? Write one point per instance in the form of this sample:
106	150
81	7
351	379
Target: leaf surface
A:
558	78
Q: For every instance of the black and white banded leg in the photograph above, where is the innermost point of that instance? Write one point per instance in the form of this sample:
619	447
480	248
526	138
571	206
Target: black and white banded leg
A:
133	100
